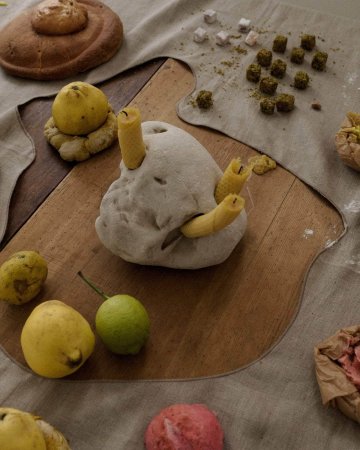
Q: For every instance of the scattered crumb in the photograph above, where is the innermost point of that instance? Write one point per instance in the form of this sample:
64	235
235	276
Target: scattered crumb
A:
192	102
262	164
227	63
219	71
262	30
316	105
255	93
240	50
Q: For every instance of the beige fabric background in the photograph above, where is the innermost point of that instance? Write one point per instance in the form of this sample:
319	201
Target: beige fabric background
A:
274	403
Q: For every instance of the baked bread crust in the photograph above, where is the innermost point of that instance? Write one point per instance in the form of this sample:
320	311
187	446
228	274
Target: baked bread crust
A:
59	17
28	54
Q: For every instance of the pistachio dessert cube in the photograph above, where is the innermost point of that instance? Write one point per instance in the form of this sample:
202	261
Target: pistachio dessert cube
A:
279	43
319	61
204	99
285	102
264	57
301	80
268	85
278	68
253	73
297	55
308	41
267	106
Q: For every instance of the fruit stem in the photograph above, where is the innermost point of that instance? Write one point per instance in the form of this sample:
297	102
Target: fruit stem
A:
95	288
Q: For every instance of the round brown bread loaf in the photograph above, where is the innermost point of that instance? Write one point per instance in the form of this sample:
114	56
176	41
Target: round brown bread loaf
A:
27	52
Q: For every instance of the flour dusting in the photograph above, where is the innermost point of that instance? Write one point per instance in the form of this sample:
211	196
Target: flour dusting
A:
351	77
354	263
353	206
329	243
308	233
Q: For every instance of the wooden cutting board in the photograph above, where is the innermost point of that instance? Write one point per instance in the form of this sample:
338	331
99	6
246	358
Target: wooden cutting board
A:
203	322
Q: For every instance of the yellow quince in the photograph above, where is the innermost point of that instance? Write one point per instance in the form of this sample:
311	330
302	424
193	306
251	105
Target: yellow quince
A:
56	339
79	108
22	276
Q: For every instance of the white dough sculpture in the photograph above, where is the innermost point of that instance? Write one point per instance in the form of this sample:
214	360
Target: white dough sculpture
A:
143	211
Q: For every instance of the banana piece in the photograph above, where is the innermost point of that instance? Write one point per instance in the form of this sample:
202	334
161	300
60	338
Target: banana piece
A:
215	220
232	180
130	137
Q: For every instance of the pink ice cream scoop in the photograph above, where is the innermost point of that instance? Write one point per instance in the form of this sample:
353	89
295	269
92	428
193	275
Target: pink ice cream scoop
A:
184	427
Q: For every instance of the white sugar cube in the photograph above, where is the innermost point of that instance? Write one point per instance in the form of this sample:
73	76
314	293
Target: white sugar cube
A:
251	38
244	24
222	38
200	35
210	16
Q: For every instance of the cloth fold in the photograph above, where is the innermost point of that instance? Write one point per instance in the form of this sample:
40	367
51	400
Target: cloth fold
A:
16	154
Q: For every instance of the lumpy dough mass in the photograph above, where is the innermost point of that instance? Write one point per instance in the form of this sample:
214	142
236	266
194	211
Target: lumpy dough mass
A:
142	212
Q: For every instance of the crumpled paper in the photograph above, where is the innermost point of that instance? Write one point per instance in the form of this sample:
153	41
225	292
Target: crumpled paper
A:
335	388
347	140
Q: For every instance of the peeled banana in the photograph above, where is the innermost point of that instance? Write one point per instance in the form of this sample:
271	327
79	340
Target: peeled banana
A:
216	219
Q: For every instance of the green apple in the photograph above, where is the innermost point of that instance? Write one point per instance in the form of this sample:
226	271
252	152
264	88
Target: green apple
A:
122	322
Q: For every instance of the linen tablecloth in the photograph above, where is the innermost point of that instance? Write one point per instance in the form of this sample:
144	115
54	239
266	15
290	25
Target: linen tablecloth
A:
274	403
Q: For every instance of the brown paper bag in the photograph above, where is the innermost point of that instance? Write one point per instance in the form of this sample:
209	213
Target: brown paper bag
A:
335	387
347	141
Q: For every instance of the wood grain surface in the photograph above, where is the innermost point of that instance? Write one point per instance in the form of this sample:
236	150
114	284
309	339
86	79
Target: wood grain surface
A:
47	170
203	322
